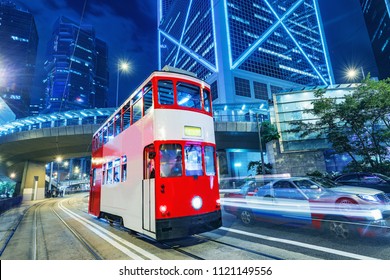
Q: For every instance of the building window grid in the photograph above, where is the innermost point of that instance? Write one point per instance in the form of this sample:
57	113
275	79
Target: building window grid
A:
204	47
260	90
310	40
242	87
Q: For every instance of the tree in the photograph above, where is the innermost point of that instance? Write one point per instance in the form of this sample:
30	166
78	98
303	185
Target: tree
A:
269	132
256	166
358	125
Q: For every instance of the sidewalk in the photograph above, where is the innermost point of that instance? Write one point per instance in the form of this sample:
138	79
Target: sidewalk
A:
10	219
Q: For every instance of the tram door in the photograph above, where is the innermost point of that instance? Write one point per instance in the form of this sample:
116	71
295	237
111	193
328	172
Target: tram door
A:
148	193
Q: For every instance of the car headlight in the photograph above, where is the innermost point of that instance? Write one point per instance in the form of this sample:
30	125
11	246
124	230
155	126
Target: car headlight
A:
376	214
367	197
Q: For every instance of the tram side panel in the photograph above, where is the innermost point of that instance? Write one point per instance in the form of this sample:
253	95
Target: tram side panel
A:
124	199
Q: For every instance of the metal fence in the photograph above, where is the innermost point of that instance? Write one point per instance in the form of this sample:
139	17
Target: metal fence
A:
8	203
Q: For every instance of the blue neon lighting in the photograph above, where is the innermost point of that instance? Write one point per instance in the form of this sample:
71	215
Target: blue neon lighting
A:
256	44
190	52
214	34
387	7
326	54
182	33
295	41
228	37
159	50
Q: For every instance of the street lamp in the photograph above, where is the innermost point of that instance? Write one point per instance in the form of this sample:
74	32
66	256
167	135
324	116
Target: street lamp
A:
352	73
123	66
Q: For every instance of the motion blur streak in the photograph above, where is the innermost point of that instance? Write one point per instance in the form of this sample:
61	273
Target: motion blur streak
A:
300	244
109	237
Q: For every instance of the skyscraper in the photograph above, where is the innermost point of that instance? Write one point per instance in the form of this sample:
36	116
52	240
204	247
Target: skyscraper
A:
18	50
377	17
248	49
76	65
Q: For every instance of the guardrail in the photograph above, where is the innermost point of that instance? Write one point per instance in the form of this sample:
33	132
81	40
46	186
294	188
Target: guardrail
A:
252	112
8	203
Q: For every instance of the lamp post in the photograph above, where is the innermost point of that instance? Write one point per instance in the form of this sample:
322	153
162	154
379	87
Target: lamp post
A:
58	160
259	128
123	66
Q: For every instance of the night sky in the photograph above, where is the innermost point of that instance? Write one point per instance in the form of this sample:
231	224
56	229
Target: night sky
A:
130	31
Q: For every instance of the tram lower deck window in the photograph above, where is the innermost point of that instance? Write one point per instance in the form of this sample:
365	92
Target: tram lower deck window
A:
171	160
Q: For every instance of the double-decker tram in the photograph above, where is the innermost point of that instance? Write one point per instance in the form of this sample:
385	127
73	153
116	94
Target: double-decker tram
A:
154	165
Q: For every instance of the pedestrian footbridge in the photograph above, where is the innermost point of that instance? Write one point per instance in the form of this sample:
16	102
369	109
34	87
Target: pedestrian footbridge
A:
27	145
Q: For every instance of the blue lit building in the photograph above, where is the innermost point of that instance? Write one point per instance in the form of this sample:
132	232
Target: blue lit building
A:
6	114
247	50
296	155
18	50
377	17
77	69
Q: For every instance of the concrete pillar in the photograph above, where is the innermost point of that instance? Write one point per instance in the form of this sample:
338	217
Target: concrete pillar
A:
33	181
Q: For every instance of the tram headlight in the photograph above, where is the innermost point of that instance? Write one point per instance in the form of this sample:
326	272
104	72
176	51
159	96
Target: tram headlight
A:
197	202
163	209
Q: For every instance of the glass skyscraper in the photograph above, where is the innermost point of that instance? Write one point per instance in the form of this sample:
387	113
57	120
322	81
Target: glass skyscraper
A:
377	17
18	50
77	68
245	49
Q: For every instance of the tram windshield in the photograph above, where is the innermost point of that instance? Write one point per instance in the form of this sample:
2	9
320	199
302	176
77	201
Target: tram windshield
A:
172	163
193	160
188	95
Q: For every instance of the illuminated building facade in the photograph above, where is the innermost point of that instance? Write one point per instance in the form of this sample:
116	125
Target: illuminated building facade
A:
298	155
18	50
247	50
77	68
377	17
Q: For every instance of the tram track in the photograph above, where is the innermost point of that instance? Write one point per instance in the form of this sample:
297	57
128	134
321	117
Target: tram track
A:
82	240
272	257
42	242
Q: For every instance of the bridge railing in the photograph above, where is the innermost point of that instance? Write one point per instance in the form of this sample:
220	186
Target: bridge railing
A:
79	117
250	112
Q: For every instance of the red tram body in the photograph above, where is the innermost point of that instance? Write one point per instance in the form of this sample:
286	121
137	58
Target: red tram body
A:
154	165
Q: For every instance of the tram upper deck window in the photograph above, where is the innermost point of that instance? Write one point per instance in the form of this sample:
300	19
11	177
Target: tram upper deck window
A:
165	92
117	124
126	116
148	97
110	130
188	95
170	160
105	134
193	160
137	110
206	100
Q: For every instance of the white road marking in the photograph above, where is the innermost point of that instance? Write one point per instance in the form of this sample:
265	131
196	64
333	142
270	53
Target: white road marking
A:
109	237
300	244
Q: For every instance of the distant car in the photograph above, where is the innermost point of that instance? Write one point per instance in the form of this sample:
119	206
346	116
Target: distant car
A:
366	180
362	192
249	188
303	202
